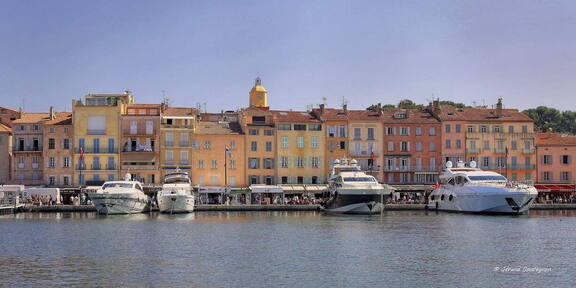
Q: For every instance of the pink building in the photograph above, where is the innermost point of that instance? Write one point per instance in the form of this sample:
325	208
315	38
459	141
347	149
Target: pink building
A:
556	153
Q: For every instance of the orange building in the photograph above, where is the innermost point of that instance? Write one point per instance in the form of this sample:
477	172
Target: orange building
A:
365	135
177	125
453	131
212	165
58	150
5	153
259	131
556	154
140	149
336	143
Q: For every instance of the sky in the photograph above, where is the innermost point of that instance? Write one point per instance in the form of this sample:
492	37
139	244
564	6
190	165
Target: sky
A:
360	52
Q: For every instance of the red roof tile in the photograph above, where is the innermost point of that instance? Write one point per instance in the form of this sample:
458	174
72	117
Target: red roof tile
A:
4	128
179	111
294	116
29	118
555	139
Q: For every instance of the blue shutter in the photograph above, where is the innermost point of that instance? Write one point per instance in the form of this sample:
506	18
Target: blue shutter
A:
111	163
96	145
111	145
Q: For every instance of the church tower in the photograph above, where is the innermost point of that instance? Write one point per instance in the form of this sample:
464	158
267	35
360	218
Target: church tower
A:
258	95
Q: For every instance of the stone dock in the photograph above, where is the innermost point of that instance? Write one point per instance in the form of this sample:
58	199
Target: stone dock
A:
200	208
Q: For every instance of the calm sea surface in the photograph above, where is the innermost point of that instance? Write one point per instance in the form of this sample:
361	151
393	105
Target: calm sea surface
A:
288	249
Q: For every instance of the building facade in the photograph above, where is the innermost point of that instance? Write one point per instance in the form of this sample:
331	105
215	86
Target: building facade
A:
140	149
556	154
412	146
58	150
336	135
28	159
365	135
177	125
5	154
97	136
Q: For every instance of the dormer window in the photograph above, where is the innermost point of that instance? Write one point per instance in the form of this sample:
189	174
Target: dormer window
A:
169	121
400	115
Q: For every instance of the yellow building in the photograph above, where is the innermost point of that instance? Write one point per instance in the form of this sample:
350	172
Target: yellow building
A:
300	148
260	145
501	140
176	128
211	163
58	150
336	143
97	135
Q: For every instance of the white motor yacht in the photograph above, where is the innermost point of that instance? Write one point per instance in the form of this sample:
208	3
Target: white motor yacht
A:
176	195
351	191
470	189
120	197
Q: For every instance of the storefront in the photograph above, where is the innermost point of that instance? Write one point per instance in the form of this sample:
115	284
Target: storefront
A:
211	195
239	196
266	194
556	193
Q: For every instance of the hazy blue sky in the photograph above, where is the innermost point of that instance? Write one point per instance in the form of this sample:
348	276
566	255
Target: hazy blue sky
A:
366	51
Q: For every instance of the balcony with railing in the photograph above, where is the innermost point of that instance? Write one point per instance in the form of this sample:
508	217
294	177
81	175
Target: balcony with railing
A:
136	167
528	151
499	135
364	154
19	148
410	169
99	150
473	150
96	132
95	167
138	149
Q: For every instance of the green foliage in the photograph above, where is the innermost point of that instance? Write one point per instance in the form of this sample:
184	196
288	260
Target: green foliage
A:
550	119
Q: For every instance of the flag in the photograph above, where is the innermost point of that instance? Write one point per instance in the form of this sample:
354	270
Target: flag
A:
228	151
437	185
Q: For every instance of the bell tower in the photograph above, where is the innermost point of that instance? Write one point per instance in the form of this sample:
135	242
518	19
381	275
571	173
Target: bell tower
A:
258	95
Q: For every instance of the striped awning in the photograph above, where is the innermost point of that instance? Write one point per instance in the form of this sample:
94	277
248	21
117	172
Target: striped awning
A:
556	188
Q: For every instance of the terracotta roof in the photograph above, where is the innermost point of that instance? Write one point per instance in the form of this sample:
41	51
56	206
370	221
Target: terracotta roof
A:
332	114
179	111
205	127
144	105
555	139
9	109
294	116
413	116
364	115
485	114
4	128
29	118
451	113
62	118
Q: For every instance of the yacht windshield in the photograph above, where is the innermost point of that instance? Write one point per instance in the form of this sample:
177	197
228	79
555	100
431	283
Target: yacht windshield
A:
176	179
117	185
487	178
359	179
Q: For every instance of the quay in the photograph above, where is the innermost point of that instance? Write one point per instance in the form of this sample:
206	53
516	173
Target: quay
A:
202	208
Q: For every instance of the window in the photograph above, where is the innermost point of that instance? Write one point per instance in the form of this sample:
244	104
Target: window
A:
51	143
149	127
447	128
497	129
96	125
314	142
184	157
232	181
458	144
357	133
66	180
201	180
51	162
315	127
546	159
51	180
486	145
195	144
485	161
432	131
500	162
418	131
253	146
370	133
299	162
214	164
510	129
284	142
111	148
254	163
268	146
207	145
269	132
200	164
547	176
284	162
565	159
524	129
390	146
183	139
284	180
133	127
404	146
66	143
258	119
22	128
448	144
513	144
96	145
169	157
471	129
284	127
458	128
253	132
315	162
390	130
419	146
111	163
300	142
342	145
268	163
169	121
565	176
432	147
96	163
213	180
169	139
66	162
232	144
483	129
299	127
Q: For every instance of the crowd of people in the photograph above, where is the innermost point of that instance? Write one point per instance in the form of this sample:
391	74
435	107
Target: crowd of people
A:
556	198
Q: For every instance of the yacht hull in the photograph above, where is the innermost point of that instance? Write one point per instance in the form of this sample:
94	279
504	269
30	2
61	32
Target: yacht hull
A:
118	203
175	203
509	203
364	204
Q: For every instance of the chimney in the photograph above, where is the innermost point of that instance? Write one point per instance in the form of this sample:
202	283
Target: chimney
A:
345	108
499	108
52	113
322	109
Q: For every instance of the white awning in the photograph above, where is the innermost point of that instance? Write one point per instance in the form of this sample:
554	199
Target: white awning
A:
266	189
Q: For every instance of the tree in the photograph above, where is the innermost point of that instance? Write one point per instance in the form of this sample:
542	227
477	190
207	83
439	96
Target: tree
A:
545	118
457	105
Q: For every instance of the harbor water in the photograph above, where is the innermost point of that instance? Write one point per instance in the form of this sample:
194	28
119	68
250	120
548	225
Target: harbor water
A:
288	249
